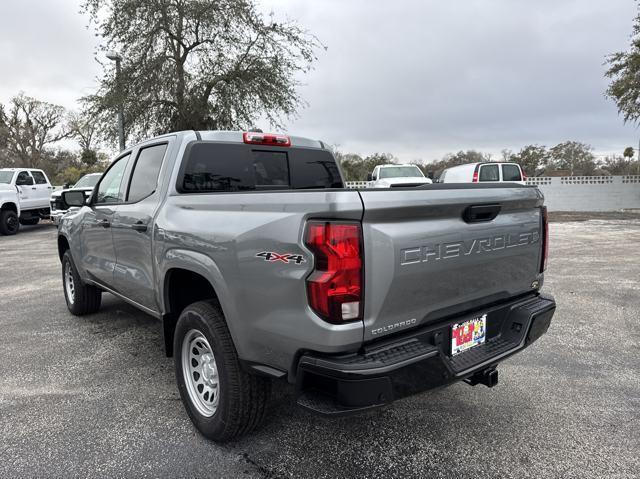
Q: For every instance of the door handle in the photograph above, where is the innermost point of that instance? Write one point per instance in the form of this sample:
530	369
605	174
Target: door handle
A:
104	223
139	226
34	188
481	213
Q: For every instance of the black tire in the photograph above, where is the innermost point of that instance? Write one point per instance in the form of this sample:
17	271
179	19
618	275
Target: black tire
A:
86	298
243	397
29	221
9	224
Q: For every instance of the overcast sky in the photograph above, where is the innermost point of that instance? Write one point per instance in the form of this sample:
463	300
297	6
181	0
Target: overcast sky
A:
416	78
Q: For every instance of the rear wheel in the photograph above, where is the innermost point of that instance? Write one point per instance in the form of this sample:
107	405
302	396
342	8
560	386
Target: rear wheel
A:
81	298
222	400
29	221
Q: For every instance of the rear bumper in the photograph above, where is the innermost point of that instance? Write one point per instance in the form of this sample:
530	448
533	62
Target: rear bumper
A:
418	361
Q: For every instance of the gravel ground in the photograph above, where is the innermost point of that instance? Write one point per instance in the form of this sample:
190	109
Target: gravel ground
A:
96	397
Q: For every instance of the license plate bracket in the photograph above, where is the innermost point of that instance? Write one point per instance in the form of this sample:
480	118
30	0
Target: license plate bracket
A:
468	334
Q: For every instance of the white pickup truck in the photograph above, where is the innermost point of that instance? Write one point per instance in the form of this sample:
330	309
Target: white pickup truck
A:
393	176
24	198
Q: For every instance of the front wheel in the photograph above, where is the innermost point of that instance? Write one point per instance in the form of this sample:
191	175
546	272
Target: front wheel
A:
81	298
222	400
9	224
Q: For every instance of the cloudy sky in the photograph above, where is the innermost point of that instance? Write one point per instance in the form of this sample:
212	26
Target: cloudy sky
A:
416	78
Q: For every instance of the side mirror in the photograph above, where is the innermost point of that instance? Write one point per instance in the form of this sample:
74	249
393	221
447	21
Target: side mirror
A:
369	177
28	181
66	185
74	198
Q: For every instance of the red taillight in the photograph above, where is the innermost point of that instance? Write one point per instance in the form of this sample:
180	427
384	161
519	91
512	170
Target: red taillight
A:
545	239
335	285
475	176
255	138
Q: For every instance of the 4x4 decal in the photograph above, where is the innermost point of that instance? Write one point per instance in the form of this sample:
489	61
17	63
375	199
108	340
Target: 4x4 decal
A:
285	257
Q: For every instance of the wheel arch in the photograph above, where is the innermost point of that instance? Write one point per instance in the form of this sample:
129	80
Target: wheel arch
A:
185	282
10	206
63	246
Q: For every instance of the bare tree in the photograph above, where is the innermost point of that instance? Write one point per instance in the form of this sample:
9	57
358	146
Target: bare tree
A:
85	131
29	127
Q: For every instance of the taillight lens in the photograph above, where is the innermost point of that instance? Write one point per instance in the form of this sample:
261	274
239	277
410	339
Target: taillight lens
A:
334	288
255	138
475	176
545	239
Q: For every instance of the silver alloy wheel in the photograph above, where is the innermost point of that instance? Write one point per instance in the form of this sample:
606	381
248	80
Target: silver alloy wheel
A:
200	373
69	284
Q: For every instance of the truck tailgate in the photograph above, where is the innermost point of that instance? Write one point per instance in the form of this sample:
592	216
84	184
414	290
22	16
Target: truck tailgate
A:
425	261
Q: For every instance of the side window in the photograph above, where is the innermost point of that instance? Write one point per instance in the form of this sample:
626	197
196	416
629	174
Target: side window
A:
144	179
109	187
511	173
39	177
24	179
489	173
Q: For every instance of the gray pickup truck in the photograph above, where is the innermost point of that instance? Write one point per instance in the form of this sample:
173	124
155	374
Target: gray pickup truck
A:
261	265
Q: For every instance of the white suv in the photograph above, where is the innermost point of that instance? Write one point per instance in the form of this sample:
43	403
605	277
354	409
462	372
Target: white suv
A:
24	198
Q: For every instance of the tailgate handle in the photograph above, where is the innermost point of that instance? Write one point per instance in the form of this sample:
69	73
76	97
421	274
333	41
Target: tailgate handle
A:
480	213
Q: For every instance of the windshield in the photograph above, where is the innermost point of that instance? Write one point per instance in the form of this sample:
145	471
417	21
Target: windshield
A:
87	181
5	176
400	172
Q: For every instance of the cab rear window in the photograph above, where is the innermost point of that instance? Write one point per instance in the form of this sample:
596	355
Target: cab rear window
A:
219	167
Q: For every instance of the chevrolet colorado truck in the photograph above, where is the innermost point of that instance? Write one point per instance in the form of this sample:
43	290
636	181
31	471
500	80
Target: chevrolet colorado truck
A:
262	266
24	198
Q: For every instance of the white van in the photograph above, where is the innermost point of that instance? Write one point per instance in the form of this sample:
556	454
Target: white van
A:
492	172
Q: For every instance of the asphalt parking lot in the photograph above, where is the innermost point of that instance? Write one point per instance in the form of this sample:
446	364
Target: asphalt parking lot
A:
96	397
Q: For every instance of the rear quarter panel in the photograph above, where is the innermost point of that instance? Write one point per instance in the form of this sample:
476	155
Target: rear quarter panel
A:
265	303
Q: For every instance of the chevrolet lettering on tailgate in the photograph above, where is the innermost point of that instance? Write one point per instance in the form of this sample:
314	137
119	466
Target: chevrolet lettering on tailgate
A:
456	249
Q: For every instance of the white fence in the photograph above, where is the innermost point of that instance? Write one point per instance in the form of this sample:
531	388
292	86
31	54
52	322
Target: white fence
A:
356	184
579	193
589	193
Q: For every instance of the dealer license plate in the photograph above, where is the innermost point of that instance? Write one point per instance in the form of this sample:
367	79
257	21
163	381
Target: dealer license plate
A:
469	334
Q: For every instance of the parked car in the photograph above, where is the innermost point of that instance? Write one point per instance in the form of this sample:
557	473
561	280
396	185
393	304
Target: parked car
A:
262	266
489	172
24	198
84	184
392	176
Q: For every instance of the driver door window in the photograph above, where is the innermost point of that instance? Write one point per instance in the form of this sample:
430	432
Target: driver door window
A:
110	188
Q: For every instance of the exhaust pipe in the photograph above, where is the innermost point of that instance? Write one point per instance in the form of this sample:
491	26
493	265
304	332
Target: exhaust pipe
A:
488	377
